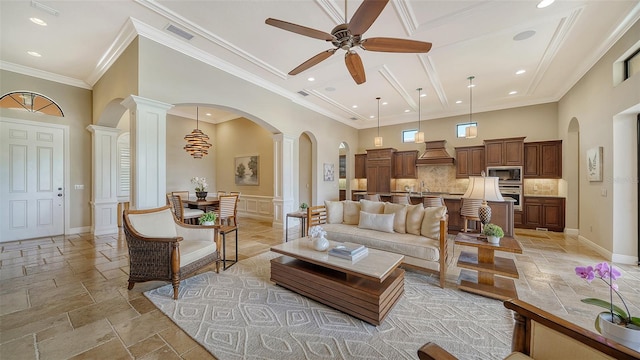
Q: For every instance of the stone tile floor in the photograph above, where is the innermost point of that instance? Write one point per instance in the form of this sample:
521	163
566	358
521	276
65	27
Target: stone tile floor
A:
66	297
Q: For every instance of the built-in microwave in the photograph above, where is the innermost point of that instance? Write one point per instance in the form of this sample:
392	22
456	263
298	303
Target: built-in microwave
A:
506	174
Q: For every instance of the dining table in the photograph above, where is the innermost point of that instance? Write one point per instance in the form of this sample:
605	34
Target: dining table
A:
202	204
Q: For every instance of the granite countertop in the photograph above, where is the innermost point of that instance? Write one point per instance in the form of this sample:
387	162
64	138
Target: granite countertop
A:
544	196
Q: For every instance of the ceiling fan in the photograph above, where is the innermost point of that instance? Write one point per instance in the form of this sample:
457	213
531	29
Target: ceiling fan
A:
349	35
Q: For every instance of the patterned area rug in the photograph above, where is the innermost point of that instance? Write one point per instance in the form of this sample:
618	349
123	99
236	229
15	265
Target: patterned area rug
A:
240	314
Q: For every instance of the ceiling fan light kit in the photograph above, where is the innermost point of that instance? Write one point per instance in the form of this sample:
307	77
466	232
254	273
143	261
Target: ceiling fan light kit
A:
349	35
197	145
470	131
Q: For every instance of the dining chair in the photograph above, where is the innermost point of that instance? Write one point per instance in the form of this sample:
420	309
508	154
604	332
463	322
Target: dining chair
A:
372	197
183	214
221	192
432	201
227	217
401	199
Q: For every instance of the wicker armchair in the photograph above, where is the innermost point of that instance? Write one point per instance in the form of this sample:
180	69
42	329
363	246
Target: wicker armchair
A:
161	248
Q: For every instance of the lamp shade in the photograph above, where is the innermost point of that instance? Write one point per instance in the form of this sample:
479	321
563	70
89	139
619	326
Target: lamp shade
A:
471	132
419	137
377	141
484	188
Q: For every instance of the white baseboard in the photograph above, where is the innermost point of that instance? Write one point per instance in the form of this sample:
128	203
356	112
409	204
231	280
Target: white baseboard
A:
597	248
79	230
625	259
574	232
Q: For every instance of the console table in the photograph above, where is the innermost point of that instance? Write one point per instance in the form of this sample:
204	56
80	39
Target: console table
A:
485	282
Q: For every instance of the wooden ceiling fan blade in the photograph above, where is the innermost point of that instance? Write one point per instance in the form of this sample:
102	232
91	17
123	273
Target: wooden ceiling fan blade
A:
395	45
299	29
366	14
313	61
355	67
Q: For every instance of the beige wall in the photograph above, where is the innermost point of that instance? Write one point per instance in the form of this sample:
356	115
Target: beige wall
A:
242	137
305	176
182	167
597	104
76	106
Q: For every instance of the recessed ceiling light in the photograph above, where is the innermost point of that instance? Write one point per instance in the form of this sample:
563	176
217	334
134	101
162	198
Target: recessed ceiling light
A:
544	3
371	116
311	79
208	114
354	106
37	21
33	53
407	110
524	35
459	102
521	71
385	103
512	92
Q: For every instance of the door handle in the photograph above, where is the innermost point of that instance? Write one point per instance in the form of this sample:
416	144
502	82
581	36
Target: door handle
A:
59	194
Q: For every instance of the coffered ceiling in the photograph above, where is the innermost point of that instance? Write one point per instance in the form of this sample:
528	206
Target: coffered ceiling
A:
490	40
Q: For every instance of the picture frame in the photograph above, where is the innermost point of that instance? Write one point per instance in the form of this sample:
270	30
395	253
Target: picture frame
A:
594	164
246	170
329	172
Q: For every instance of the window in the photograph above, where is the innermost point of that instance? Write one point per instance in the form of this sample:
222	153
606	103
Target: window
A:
632	65
461	128
409	136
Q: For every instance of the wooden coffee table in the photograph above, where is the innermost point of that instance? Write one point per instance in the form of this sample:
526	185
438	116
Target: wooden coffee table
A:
487	266
366	289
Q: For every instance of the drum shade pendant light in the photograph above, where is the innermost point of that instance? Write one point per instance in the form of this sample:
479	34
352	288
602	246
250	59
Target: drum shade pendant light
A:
471	131
377	141
197	145
419	135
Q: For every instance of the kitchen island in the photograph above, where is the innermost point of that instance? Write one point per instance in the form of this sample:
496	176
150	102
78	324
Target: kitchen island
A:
502	211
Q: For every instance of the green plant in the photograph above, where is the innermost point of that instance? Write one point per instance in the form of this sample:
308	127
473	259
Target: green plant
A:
208	216
304	206
493	230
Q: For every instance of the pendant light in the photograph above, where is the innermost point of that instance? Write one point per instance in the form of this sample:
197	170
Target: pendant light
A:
377	141
419	135
471	131
197	145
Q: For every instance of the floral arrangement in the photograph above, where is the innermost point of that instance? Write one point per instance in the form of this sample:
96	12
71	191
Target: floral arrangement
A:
317	232
200	183
608	275
493	230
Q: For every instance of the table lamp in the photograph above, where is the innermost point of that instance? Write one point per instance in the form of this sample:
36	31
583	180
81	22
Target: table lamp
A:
485	188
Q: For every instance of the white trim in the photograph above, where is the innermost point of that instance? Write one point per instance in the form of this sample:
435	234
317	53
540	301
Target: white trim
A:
573	232
595	247
65	162
24	70
256	207
625	259
79	230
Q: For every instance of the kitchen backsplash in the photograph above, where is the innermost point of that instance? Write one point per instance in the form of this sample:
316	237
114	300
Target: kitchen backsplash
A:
544	187
437	178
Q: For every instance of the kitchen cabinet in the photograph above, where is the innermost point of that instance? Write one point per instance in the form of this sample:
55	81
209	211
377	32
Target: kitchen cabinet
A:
543	159
469	161
405	164
342	166
360	166
380	165
504	152
544	212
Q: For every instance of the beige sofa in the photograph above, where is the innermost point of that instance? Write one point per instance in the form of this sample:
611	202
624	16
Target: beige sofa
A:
418	233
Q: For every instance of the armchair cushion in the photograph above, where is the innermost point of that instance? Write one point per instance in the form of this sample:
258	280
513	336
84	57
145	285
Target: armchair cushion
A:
191	250
158	224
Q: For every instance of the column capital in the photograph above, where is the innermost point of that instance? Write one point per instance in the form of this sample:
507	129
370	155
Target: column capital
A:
132	101
97	128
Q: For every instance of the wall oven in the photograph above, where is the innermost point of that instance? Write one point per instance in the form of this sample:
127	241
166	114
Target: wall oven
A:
506	174
512	192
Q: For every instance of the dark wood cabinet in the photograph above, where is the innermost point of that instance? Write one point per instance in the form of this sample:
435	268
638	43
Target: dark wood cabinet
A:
543	159
517	218
360	166
504	152
380	165
456	223
469	161
544	212
405	164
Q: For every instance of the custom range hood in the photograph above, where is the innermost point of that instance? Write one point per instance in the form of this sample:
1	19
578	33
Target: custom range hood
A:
435	154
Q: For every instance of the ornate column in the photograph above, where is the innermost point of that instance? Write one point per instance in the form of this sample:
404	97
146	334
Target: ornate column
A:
104	198
284	185
148	151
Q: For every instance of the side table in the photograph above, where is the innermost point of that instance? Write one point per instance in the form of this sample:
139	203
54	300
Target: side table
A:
485	282
302	215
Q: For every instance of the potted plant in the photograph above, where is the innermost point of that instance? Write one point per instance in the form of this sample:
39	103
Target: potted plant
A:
616	323
208	218
304	206
493	232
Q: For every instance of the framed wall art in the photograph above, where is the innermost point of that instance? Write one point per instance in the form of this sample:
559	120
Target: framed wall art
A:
594	164
247	170
329	172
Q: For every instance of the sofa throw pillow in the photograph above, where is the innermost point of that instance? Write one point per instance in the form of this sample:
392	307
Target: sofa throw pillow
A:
334	212
431	222
372	207
414	218
351	212
400	220
379	222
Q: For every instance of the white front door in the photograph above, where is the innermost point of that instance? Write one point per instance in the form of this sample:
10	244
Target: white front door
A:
31	181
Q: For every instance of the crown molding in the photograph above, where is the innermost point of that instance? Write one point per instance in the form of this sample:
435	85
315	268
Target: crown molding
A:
24	70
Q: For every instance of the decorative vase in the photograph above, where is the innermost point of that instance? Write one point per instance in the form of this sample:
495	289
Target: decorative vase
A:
493	239
201	195
629	337
320	244
208	223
